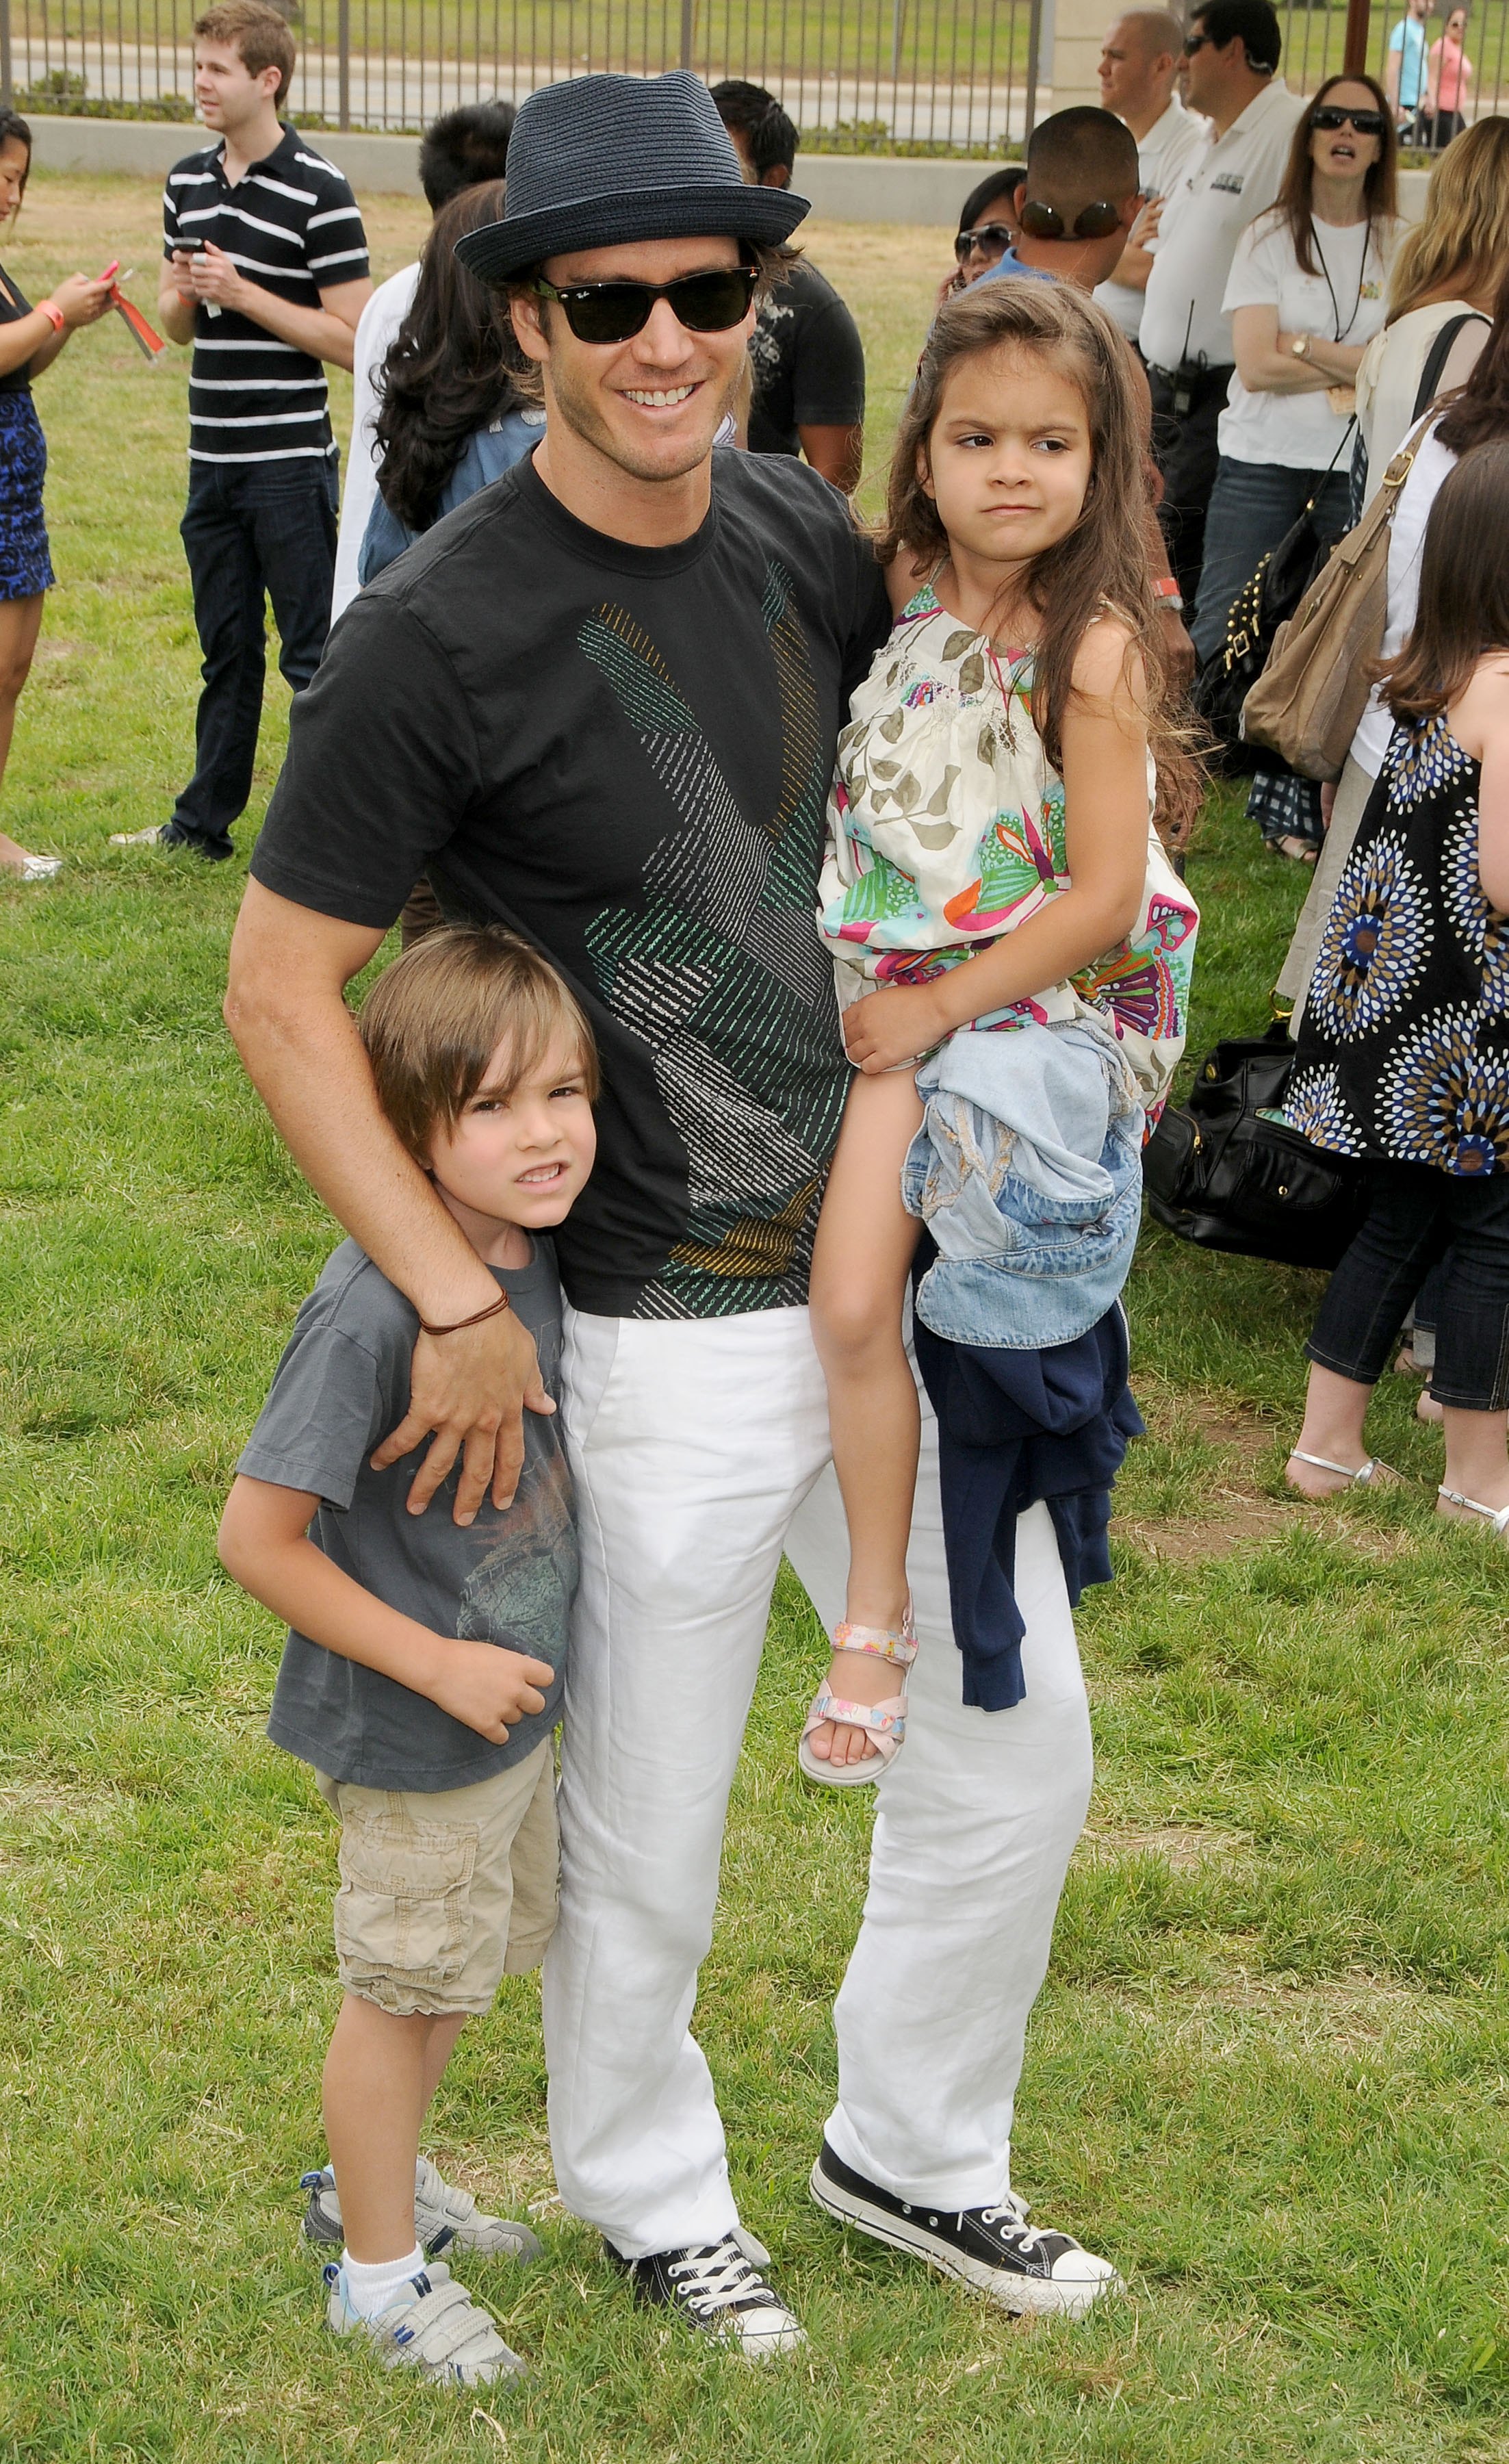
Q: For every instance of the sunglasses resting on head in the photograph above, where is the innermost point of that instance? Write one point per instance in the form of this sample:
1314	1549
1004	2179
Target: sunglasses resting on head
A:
614	311
1098	221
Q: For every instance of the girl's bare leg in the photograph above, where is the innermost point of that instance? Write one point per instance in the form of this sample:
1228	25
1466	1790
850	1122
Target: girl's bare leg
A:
20	623
865	1245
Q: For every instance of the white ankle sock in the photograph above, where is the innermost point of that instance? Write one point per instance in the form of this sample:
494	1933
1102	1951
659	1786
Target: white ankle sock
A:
370	2289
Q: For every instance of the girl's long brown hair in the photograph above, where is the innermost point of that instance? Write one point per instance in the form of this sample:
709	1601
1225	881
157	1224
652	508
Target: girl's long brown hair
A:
1295	203
1463	608
1103	562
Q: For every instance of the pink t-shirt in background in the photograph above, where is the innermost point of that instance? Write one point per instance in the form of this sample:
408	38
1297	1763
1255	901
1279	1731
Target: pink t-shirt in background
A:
1446	58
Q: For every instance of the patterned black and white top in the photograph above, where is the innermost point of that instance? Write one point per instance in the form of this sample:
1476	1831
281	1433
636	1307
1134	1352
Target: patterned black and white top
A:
292	224
1404	1050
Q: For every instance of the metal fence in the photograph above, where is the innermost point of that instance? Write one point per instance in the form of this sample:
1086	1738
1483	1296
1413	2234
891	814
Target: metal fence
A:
945	74
855	75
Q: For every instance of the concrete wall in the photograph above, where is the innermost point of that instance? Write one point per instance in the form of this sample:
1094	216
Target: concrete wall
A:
847	187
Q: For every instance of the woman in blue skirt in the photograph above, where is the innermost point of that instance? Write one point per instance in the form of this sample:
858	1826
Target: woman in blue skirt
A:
30	341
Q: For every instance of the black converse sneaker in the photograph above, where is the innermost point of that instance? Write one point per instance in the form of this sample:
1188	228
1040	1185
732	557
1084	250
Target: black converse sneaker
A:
716	2288
994	2248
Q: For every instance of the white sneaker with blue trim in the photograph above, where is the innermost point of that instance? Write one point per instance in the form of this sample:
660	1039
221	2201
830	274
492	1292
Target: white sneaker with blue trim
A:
431	2326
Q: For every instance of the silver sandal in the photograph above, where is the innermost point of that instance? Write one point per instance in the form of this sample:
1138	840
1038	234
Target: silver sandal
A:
1362	1478
1496	1515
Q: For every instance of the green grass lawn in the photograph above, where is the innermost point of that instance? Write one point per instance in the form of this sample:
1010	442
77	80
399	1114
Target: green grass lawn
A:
1270	2071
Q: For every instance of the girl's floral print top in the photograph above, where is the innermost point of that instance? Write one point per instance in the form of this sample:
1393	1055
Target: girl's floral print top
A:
946	830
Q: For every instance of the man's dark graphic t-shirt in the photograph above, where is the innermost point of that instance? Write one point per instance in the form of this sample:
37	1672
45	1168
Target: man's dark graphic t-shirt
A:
622	754
809	363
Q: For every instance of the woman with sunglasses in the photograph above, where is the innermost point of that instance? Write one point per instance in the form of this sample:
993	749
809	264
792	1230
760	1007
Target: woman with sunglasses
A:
988	227
1306	295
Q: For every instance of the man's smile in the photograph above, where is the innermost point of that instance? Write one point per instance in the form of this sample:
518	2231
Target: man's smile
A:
661	398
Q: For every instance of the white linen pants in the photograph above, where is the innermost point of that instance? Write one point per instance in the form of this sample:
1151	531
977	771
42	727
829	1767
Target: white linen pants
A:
700	1450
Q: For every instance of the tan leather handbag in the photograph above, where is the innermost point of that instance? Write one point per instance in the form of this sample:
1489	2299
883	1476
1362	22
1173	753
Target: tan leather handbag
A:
1307	703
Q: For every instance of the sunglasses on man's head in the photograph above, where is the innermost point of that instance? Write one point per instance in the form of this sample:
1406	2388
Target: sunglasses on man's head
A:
1092	222
614	311
1332	116
985	236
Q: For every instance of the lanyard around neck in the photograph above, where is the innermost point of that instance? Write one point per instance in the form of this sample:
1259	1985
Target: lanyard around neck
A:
1342	331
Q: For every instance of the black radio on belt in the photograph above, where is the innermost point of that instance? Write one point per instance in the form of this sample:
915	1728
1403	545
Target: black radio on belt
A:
1188	372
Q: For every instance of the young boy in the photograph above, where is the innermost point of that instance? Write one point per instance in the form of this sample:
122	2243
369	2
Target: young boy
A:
425	1660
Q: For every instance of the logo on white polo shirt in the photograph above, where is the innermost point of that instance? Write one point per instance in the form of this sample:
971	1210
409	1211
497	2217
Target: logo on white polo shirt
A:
1229	181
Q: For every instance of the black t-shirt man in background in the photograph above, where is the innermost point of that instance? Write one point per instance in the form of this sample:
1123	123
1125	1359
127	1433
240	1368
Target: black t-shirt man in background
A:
600	703
806	355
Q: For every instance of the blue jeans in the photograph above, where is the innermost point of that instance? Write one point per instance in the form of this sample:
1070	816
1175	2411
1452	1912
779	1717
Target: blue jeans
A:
251	531
1252	505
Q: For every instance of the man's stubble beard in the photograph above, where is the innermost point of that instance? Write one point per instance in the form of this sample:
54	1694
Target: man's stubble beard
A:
578	408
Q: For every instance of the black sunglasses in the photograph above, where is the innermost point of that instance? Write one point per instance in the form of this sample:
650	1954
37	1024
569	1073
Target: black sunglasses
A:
1092	222
1193	43
613	312
984	236
1332	116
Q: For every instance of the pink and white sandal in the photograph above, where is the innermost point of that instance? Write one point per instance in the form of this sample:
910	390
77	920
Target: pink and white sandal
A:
884	1723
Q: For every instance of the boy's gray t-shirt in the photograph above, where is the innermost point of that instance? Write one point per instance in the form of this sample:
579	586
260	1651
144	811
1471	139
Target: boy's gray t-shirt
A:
509	1578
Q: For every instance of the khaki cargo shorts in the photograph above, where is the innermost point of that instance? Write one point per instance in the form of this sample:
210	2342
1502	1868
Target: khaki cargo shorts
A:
441	1895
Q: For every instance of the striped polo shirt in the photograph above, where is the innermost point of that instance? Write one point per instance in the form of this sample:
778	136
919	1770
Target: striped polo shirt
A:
292	224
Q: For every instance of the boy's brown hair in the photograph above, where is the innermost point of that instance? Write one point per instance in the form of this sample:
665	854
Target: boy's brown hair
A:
258	34
434	1018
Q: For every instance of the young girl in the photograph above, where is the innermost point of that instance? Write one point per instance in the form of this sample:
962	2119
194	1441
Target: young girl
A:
1404	1052
991	859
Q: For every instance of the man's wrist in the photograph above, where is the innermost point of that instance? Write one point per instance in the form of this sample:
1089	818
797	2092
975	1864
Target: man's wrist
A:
459	1287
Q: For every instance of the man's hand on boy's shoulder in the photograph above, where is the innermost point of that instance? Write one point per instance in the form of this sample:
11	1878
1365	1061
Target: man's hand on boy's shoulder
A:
488	1688
469	1392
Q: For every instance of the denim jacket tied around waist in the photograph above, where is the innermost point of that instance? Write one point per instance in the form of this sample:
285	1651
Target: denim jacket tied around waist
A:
1027	1173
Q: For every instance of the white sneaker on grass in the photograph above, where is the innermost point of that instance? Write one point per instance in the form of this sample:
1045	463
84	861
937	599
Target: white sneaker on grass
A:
446	2217
431	2326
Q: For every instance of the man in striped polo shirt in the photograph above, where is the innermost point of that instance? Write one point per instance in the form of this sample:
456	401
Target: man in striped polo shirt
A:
266	274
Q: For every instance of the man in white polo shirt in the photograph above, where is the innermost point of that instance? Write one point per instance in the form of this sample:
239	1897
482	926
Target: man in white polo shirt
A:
1230	75
1139	63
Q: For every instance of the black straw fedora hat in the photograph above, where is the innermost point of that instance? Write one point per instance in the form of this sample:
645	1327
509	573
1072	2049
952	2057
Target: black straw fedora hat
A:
600	159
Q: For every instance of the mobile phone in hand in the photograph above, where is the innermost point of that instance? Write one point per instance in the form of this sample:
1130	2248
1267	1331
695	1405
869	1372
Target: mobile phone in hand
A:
195	248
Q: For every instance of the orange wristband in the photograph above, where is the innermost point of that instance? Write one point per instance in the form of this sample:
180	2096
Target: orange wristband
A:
49	309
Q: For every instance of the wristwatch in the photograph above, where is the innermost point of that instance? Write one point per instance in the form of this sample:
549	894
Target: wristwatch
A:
1300	346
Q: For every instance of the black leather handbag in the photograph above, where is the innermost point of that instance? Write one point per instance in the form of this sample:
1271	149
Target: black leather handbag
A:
1222	1173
